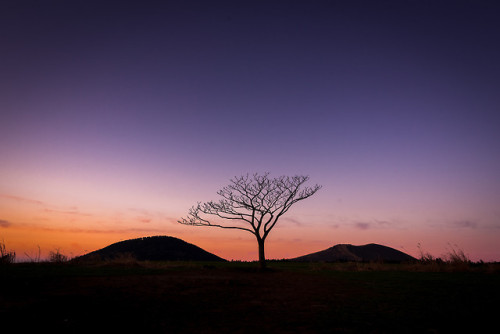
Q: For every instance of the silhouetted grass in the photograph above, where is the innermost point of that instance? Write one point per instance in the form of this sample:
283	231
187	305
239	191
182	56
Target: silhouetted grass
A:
57	257
6	256
429	295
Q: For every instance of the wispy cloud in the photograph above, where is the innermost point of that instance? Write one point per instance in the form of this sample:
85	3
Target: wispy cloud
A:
291	221
58	229
145	221
73	212
363	226
375	224
146	216
22	199
45	207
4	223
470	224
465	224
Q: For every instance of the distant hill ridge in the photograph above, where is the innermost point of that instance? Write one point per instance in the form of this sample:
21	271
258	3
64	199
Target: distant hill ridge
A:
155	248
348	252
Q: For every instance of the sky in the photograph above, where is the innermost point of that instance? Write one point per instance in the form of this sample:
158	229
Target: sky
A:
117	116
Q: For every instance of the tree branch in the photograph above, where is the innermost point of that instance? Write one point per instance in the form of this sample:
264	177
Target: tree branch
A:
257	200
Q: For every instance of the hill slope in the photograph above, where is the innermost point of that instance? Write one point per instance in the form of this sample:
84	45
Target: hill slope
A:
346	252
157	248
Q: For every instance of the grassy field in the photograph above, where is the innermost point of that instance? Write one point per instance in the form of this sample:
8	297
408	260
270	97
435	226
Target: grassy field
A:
237	298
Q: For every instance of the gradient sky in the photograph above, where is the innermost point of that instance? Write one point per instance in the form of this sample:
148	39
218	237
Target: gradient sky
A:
117	117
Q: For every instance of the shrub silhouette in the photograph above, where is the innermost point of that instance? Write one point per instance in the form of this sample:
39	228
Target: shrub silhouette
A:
57	257
6	256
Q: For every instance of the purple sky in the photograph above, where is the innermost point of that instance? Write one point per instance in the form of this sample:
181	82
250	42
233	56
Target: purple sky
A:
393	106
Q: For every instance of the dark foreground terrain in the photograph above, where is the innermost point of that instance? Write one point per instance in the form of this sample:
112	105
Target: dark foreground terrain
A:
237	298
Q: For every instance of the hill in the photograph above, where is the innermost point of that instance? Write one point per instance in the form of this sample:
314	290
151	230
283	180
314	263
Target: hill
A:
157	248
365	253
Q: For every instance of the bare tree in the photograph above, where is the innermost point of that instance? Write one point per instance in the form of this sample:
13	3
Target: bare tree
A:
252	203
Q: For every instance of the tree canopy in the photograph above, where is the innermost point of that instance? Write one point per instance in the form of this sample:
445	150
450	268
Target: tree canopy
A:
252	203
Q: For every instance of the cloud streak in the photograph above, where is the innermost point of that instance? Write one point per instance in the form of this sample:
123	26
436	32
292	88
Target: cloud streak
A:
376	224
465	224
22	199
292	221
363	226
4	223
45	207
34	227
68	212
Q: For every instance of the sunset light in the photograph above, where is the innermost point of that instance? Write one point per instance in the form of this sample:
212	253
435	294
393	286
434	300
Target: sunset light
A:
115	119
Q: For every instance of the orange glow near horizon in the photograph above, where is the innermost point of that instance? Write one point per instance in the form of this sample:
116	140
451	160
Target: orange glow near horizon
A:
101	142
27	241
29	226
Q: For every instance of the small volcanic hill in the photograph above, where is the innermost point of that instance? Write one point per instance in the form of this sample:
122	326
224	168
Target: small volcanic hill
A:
366	253
157	248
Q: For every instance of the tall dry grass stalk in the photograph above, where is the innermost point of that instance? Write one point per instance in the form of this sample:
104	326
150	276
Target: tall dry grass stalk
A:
6	256
34	258
57	257
454	260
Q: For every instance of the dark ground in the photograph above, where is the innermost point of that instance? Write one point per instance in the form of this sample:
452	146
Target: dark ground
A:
237	298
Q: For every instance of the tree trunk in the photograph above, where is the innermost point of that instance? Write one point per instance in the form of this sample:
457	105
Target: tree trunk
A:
262	257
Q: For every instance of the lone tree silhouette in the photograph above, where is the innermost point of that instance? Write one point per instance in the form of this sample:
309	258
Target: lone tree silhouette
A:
252	203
